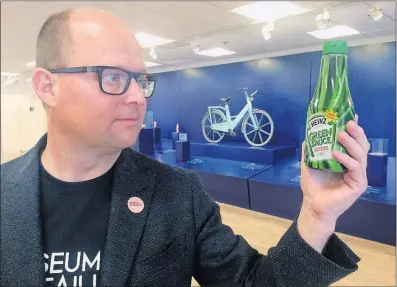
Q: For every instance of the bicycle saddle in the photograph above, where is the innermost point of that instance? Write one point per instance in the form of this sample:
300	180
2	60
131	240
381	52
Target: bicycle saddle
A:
225	100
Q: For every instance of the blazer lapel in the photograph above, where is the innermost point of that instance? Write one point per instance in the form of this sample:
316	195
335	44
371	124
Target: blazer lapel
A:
22	255
125	228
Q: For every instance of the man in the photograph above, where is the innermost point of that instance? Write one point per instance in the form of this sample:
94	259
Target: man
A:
83	208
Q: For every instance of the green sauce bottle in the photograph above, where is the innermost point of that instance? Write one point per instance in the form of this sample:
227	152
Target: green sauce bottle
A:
330	109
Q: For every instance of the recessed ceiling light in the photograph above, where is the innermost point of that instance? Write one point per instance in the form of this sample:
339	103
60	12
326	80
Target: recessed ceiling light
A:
31	64
151	64
269	10
215	52
146	40
8	74
337	31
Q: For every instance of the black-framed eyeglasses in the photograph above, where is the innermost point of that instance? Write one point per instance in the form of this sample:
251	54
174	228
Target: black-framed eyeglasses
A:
114	80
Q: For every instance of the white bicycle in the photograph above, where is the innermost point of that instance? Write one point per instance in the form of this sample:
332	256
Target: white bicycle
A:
257	125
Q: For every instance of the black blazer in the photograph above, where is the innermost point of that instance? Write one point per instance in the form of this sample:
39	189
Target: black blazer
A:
179	234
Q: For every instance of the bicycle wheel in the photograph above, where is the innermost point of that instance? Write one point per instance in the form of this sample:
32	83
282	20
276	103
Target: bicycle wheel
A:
211	135
262	135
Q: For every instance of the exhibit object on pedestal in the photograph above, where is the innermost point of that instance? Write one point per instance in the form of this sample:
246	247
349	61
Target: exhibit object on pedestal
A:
182	137
257	125
377	162
175	137
330	109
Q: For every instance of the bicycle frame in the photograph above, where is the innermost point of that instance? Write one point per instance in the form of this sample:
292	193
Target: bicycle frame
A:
233	121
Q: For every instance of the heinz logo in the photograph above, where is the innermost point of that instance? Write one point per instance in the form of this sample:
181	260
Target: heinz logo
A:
318	121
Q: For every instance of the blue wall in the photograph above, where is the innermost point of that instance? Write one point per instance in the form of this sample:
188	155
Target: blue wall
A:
286	83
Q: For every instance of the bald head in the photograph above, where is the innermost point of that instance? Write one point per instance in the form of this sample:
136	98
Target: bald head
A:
77	105
54	41
66	32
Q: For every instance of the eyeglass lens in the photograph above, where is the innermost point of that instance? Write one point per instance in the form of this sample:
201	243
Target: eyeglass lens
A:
114	81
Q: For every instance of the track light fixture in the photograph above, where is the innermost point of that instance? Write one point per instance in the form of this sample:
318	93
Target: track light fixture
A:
323	19
152	53
195	45
375	13
268	30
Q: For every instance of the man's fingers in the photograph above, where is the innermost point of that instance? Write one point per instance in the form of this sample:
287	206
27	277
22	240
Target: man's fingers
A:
353	166
357	132
353	148
350	163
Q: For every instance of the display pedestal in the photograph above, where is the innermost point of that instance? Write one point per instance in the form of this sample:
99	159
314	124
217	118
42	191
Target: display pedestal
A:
175	138
269	154
157	135
182	153
146	141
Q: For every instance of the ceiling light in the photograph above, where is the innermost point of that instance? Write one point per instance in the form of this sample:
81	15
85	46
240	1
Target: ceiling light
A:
269	10
31	64
146	40
152	53
215	52
337	31
375	13
151	64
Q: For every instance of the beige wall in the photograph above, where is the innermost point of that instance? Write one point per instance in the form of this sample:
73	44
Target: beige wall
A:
20	127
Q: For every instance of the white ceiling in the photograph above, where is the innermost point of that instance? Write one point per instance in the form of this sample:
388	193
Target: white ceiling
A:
212	21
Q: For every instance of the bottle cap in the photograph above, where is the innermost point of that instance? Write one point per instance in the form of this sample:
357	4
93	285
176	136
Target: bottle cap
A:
335	47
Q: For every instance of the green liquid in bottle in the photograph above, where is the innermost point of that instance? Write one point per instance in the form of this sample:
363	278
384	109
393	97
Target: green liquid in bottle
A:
330	109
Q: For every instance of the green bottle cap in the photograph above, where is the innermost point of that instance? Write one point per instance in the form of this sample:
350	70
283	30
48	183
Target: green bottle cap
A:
335	47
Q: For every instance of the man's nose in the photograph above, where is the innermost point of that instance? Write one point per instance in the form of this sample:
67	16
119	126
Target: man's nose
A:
134	94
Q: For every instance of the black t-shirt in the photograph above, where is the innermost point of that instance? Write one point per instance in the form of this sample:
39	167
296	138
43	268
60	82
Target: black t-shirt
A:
75	216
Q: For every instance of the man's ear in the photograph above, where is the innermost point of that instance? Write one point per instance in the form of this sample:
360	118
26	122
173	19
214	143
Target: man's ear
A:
44	84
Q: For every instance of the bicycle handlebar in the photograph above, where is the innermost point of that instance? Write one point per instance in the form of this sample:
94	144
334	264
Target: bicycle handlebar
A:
246	93
254	93
246	89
